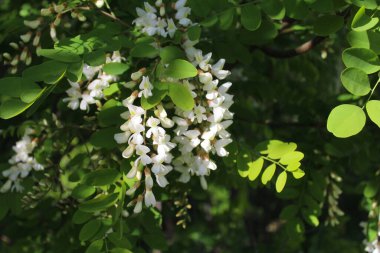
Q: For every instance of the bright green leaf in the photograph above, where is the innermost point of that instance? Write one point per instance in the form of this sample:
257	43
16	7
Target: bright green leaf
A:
281	181
171	53
346	120
362	22
361	58
115	68
181	96
291	157
59	55
180	69
144	51
355	81
373	110
268	173
255	168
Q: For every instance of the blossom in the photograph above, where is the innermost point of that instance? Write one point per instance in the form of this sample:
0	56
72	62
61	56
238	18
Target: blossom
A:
145	87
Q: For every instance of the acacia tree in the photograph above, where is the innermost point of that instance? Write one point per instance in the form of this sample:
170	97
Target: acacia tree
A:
182	126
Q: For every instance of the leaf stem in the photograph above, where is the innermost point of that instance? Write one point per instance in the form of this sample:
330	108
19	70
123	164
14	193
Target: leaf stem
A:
273	161
372	91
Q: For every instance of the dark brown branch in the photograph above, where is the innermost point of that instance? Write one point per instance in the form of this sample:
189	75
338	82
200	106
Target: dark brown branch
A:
302	49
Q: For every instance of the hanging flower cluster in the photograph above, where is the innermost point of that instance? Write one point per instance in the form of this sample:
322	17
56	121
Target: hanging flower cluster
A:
164	138
82	94
22	163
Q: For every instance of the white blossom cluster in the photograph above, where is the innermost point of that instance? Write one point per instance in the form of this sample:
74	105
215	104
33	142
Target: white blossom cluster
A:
152	24
374	246
97	81
22	163
194	135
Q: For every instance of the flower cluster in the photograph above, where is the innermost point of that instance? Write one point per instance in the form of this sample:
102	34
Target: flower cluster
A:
374	246
151	24
194	135
21	163
93	92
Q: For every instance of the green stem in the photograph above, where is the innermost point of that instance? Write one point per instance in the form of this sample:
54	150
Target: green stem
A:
273	161
372	91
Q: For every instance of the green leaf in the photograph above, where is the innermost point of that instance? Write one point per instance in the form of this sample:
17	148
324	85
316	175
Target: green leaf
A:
362	22
293	166
80	217
298	174
361	58
144	51
226	18
95	247
155	99
11	86
355	81
89	230
95	58
250	16
296	9
310	218
194	32
274	9
268	173
115	68
291	157
104	138
13	107
102	177
111	116
99	203
328	24
120	250
74	71
83	191
289	212
59	55
171	53
281	181
181	96
180	69
276	149
50	72
373	110
255	168
371	189
346	120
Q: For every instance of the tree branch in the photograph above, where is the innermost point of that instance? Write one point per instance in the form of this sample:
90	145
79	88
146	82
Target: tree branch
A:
302	49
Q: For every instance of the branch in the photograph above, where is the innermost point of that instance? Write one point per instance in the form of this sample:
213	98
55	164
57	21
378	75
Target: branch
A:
302	49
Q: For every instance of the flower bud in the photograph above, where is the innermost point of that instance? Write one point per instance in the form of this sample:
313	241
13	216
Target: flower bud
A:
99	3
162	11
7	56
53	32
26	37
57	21
36	40
138	206
32	23
14	45
46	12
59	8
24	54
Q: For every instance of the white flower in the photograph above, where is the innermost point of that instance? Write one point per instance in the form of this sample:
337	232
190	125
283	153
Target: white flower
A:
205	78
163	116
89	72
171	29
163	144
142	150
149	198
199	113
138	206
217	69
96	88
202	61
161	25
145	87
219	146
87	100
128	152
74	94
180	4
155	129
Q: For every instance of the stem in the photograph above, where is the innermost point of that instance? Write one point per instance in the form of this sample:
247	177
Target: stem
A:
273	161
373	90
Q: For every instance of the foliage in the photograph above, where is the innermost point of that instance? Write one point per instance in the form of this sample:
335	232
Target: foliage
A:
285	177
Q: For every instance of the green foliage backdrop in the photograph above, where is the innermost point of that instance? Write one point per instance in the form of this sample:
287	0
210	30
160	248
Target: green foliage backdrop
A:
302	172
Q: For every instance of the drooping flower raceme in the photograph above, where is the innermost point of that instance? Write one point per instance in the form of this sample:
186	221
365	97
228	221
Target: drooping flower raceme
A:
83	94
22	163
165	139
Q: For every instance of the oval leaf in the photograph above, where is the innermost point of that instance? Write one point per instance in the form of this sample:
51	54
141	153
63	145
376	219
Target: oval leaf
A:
115	68
373	110
180	69
361	58
250	16
181	96
355	81
346	120
281	181
89	230
255	168
99	203
268	173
